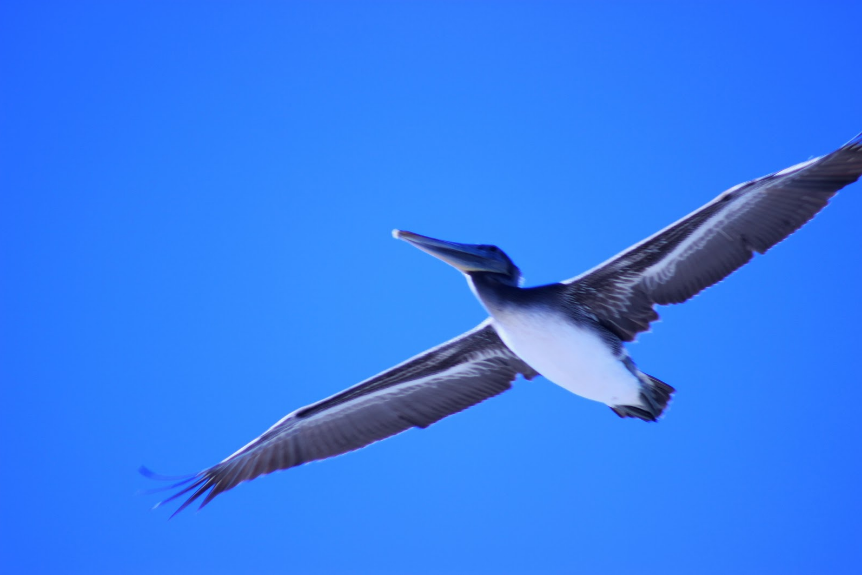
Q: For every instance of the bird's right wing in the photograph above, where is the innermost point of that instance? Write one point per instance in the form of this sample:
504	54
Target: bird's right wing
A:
710	243
424	389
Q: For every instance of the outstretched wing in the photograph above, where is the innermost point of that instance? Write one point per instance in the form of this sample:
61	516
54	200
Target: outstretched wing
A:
709	244
422	390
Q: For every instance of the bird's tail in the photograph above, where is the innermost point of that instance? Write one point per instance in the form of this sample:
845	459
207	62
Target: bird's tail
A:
655	396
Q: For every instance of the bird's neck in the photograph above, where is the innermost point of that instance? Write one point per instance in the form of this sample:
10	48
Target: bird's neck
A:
495	291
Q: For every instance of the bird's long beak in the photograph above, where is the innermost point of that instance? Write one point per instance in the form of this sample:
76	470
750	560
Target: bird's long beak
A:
464	257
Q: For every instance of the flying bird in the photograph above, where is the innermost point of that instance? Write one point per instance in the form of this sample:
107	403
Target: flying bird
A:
572	332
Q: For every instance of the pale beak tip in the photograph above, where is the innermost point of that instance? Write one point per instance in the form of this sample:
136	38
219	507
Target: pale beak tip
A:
396	234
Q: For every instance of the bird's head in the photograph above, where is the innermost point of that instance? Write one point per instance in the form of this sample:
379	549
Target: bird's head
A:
468	258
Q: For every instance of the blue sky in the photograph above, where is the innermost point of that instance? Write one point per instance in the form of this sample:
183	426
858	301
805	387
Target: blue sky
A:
197	201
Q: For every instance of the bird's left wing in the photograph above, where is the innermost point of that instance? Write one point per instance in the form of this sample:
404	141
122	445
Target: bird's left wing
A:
711	242
416	393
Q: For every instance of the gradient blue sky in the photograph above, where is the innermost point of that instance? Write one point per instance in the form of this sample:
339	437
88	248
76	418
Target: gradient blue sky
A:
197	201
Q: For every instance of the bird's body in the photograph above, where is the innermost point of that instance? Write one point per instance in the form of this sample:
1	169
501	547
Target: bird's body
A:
572	332
560	340
573	356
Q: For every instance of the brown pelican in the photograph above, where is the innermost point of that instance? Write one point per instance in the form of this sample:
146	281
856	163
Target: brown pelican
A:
570	332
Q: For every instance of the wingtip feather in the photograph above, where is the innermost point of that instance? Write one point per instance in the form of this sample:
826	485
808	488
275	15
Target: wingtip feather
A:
150	474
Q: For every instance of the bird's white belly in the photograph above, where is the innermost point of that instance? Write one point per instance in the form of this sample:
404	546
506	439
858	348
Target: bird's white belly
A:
572	357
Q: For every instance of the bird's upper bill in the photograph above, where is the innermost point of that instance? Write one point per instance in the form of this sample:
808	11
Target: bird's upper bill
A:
464	257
